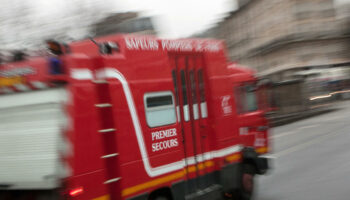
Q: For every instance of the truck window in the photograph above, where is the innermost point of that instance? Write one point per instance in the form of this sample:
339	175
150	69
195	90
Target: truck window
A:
251	104
184	96
194	95
159	108
173	73
246	99
203	106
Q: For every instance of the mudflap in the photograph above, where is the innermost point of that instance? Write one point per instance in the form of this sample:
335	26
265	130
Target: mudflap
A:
251	157
262	165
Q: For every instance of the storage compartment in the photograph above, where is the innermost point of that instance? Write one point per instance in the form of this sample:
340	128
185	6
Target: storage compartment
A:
31	140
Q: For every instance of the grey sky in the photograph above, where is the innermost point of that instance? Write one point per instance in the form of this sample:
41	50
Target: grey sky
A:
178	18
173	18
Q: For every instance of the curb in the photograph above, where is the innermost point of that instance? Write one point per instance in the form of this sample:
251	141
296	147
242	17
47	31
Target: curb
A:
279	121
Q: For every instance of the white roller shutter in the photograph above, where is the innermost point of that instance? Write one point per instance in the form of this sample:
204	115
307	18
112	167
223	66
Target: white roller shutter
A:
31	139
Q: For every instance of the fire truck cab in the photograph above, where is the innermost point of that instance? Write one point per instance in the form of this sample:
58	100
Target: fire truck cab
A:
130	117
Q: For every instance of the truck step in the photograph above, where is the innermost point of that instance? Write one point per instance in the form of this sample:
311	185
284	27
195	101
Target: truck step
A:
100	81
112	180
103	105
110	155
106	130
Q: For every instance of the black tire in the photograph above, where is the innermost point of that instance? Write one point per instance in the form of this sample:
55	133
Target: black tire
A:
161	198
247	182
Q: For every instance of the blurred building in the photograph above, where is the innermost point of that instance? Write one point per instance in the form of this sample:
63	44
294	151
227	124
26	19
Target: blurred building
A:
277	37
293	43
128	22
209	33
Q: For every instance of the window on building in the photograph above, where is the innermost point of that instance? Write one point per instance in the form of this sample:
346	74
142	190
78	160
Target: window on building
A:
159	108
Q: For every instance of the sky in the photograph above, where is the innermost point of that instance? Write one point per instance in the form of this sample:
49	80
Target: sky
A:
172	18
180	18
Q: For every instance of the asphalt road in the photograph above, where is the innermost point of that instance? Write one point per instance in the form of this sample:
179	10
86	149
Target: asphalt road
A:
311	159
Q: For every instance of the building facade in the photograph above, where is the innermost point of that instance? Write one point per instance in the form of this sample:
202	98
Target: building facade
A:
279	37
295	45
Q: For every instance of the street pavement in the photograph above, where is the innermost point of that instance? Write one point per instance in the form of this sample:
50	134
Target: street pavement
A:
311	159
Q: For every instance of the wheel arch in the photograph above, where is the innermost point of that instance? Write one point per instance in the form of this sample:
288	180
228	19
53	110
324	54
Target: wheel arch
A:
161	192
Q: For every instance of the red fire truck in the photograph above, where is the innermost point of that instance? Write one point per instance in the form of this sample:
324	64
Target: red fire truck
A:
130	117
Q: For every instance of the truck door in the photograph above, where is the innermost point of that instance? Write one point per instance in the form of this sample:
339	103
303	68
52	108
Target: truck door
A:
185	74
252	123
200	114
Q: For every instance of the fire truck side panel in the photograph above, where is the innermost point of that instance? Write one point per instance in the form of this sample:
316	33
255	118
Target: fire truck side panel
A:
223	119
252	126
137	85
144	83
87	141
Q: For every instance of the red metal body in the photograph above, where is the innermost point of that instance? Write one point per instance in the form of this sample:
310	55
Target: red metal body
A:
116	153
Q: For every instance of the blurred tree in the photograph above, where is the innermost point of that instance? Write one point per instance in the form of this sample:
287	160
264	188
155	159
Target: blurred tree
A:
26	24
14	21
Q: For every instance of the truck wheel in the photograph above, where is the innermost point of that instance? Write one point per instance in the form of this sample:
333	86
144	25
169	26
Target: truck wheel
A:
161	198
247	181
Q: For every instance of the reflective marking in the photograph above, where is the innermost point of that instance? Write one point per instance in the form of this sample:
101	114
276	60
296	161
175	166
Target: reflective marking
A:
234	157
195	111
204	110
186	113
168	178
178	113
262	150
153	183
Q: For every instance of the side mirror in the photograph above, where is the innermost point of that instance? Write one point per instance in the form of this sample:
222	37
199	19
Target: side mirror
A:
251	88
108	47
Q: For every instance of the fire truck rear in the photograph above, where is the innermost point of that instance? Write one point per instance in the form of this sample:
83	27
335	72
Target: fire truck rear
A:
130	117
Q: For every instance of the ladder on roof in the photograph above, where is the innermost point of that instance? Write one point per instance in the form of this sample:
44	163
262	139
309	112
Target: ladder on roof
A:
108	133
